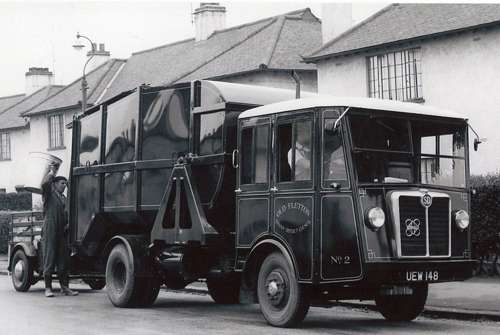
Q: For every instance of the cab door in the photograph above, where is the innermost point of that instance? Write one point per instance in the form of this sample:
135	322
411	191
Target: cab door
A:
252	194
293	187
339	246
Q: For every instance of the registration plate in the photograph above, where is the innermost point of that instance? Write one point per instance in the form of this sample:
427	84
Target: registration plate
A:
413	276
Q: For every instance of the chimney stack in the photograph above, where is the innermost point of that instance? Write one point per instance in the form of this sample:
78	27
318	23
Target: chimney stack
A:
100	56
38	77
209	17
336	18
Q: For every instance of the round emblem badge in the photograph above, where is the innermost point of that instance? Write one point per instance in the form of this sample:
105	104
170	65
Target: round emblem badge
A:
426	200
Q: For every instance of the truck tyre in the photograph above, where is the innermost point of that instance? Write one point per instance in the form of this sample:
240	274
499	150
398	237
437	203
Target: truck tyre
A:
22	271
123	287
224	290
150	288
403	307
282	299
95	284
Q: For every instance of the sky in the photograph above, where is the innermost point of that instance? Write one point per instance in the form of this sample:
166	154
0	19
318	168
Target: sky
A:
41	33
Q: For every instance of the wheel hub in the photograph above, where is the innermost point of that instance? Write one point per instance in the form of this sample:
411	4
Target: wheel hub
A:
276	287
19	271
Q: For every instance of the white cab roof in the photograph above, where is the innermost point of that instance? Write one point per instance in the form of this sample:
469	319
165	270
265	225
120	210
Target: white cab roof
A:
332	101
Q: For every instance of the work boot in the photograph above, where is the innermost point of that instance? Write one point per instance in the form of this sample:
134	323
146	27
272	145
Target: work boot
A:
66	291
48	286
49	293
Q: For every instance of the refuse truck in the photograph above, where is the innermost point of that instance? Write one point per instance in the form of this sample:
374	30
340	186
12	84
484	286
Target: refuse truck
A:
284	202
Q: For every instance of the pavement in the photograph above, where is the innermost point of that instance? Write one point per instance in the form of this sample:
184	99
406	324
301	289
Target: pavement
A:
475	299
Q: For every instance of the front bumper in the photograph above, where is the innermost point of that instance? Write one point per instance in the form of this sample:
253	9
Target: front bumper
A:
398	272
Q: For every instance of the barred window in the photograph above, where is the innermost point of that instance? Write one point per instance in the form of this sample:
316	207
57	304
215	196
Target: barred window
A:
4	146
396	75
56	131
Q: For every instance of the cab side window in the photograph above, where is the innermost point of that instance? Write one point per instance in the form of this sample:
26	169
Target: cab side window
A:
255	155
295	150
334	167
210	131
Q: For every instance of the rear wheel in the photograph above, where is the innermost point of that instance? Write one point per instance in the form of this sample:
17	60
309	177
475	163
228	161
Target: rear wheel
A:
403	307
150	288
22	271
282	299
224	290
123	287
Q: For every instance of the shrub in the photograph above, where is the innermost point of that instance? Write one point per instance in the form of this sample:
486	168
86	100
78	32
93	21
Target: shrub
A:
485	216
15	201
11	202
4	232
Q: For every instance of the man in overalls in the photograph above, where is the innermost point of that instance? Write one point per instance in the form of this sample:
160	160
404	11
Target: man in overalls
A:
55	249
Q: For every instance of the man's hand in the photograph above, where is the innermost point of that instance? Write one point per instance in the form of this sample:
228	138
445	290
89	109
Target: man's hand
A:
53	167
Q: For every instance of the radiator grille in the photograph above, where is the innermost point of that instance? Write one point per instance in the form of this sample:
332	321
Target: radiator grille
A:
415	240
439	227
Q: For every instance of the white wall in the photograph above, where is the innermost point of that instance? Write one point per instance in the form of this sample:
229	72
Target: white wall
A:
458	73
278	79
12	172
39	142
343	77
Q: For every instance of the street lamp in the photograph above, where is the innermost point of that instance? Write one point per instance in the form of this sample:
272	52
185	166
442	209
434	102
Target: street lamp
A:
85	86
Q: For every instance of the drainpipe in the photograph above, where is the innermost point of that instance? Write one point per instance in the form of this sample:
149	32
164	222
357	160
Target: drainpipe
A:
296	77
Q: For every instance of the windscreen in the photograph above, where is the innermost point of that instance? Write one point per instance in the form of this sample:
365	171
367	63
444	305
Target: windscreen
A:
399	150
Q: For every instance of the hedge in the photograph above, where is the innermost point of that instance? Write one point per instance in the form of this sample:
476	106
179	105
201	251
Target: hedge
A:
11	202
485	216
4	232
15	201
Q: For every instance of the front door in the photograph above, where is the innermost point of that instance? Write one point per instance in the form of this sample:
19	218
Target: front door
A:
339	247
253	205
293	191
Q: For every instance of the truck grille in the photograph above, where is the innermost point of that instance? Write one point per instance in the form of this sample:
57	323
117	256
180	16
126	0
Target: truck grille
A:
418	237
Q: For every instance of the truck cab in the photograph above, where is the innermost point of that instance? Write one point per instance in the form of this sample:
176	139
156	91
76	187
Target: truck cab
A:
359	198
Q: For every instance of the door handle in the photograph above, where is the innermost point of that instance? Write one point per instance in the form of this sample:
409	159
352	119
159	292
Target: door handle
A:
235	158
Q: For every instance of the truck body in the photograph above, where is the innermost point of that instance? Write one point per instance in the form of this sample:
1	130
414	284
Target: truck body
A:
295	203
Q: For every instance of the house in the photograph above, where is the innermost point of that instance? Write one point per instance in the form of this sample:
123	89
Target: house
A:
15	137
48	119
444	55
36	121
261	53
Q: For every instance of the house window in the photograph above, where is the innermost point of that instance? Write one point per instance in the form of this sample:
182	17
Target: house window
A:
396	75
4	146
56	129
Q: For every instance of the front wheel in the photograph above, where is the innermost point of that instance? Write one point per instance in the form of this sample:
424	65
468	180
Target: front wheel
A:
282	299
403	307
22	271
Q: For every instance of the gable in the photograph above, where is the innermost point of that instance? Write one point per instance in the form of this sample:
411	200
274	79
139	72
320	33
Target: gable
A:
405	22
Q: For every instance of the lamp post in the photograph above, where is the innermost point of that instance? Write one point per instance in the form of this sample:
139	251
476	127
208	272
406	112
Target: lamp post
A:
85	86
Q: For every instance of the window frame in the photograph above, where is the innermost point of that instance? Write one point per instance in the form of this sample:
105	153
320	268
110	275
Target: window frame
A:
334	114
7	155
293	118
403	78
53	145
254	123
197	130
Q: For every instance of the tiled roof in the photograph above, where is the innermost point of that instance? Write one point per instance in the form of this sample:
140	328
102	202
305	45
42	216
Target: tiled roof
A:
275	42
8	101
70	96
404	22
11	117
